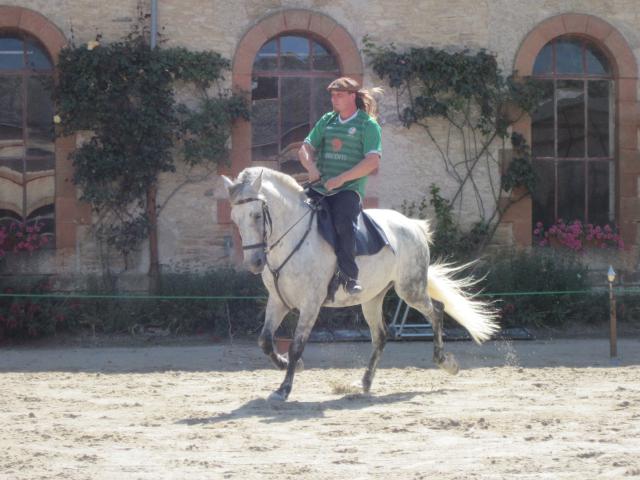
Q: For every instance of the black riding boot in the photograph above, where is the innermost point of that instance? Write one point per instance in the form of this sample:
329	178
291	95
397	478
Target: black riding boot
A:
345	208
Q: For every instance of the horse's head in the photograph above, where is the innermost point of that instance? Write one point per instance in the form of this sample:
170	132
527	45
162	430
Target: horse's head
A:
249	212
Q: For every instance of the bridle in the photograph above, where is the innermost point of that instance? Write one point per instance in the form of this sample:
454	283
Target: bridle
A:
268	224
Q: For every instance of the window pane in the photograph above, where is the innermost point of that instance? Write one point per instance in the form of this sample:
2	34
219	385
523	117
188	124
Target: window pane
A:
320	97
543	195
265	112
571	183
40	165
601	201
598	116
294	53
37	58
295	110
542	124
39	116
11	54
265	152
45	218
571	128
264	88
264	122
267	57
569	56
544	60
322	59
11	141
11	194
40	191
597	63
11	166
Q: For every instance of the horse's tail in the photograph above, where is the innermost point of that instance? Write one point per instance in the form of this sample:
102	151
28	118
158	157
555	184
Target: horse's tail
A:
425	227
477	316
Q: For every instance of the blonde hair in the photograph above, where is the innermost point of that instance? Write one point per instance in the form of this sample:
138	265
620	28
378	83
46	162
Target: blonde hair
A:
364	97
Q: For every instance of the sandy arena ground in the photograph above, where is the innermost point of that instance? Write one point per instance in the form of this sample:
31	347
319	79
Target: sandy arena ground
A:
523	410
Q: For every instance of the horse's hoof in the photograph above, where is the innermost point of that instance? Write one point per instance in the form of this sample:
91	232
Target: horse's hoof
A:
277	397
449	364
362	386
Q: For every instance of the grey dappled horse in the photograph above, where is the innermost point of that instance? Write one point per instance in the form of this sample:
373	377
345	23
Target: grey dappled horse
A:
279	232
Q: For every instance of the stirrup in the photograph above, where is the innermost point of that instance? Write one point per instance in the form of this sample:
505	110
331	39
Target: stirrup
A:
352	287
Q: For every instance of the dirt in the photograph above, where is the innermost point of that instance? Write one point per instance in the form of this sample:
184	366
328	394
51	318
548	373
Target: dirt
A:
542	409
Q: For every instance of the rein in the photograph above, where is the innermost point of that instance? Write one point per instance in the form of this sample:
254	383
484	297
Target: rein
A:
267	223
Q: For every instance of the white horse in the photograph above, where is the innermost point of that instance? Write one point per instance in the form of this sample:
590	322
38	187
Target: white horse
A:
279	231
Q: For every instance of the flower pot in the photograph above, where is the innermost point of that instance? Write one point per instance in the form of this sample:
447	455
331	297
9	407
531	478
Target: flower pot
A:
282	344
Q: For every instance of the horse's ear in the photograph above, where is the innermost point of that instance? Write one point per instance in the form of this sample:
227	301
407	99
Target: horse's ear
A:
221	188
257	183
228	183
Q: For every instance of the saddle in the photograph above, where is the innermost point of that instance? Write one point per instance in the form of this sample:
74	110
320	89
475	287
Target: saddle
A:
370	238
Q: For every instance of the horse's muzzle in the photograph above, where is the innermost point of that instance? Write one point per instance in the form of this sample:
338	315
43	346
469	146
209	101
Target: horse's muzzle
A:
256	262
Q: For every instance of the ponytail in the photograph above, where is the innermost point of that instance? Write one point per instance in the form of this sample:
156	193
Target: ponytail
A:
366	102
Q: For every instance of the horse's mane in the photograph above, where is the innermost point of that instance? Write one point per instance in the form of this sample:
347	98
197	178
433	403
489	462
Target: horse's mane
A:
283	185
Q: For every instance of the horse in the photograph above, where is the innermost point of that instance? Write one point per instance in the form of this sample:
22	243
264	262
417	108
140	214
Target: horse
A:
281	242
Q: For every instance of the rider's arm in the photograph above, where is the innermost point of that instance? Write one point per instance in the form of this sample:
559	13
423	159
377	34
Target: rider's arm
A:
365	167
306	155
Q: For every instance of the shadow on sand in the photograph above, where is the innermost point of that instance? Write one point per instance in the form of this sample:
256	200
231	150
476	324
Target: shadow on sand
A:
277	412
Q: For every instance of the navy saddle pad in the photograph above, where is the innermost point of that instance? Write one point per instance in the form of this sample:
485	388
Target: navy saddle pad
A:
370	238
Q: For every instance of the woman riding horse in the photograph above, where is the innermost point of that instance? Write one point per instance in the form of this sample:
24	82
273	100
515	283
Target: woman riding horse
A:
341	150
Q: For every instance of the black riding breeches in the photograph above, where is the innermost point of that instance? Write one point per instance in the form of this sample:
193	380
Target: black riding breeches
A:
345	207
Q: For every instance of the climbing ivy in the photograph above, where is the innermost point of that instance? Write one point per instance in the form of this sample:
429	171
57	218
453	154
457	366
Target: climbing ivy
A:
124	93
468	91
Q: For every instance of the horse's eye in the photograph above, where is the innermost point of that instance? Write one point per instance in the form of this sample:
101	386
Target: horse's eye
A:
256	216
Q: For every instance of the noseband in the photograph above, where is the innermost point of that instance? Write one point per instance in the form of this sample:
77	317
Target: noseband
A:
267	223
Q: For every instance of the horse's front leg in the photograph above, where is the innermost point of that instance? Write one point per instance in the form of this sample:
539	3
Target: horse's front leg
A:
303	330
274	315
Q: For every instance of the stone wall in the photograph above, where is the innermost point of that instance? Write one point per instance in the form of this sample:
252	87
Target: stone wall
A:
189	238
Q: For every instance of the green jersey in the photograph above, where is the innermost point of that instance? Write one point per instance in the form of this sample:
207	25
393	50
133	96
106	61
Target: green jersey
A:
341	145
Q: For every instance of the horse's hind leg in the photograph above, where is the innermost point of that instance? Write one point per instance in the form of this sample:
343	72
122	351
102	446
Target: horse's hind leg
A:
434	311
446	361
372	311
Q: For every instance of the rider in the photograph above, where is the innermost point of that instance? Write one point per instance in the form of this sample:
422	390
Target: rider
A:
341	150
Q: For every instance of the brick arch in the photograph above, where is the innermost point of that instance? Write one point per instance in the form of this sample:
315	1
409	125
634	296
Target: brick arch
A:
69	212
295	21
286	21
625	70
301	21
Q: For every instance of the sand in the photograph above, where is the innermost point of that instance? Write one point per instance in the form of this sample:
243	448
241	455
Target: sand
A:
556	409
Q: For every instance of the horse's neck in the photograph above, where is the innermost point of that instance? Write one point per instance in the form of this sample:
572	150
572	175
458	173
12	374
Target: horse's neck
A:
286	207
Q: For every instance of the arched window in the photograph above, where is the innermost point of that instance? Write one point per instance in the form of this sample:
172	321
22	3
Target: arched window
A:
27	160
289	80
572	134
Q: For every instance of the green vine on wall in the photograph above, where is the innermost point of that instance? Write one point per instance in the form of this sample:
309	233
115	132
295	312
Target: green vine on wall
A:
478	104
124	93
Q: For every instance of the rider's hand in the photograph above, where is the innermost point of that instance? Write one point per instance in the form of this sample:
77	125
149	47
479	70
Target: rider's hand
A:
314	176
333	183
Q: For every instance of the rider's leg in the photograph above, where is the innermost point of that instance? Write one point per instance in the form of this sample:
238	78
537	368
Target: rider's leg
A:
345	207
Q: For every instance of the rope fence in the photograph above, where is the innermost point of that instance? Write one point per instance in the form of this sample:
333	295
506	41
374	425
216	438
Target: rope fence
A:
79	296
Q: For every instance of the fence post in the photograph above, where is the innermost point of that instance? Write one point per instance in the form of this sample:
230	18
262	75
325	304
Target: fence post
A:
613	340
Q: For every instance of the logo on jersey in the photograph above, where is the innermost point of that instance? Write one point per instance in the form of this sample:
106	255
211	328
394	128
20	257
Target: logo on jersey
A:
336	144
352	130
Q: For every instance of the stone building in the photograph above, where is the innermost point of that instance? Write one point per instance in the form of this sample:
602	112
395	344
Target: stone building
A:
283	53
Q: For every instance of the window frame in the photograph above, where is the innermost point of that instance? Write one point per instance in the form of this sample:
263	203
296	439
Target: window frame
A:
280	73
25	73
584	78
